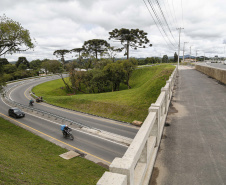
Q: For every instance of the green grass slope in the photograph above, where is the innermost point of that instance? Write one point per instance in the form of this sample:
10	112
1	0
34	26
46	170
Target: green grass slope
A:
28	159
125	105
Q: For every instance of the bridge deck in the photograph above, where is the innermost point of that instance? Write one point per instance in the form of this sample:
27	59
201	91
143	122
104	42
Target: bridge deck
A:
193	148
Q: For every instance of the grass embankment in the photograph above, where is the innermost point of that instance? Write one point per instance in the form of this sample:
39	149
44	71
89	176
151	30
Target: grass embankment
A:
125	105
28	159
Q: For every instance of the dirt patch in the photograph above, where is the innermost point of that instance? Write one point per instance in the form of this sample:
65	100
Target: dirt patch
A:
164	137
103	165
172	109
167	124
176	109
154	176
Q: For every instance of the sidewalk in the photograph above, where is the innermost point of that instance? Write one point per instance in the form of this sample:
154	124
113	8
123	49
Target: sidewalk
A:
193	147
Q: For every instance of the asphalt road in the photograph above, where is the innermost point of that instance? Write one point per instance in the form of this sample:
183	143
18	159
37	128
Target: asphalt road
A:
217	65
193	148
91	146
20	95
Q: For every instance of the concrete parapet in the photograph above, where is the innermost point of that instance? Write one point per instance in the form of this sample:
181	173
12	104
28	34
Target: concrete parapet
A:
218	74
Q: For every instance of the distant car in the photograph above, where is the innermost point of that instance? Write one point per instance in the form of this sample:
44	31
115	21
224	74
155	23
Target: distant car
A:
16	112
224	62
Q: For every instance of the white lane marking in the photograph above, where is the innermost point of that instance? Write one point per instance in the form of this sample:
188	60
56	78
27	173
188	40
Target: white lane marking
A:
72	128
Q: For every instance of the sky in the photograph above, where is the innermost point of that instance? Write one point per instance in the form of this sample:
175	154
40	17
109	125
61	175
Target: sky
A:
67	24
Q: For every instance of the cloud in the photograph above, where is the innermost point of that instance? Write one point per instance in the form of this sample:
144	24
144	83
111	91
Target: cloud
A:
66	24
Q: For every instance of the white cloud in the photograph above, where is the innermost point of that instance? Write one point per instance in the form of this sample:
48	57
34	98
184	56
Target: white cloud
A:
66	24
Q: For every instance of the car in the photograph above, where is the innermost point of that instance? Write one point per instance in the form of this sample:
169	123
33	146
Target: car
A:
16	112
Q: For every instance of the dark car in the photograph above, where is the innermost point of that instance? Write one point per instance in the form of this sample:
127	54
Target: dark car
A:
16	112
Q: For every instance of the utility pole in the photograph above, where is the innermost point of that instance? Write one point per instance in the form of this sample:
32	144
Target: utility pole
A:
196	56
183	50
190	52
161	57
224	51
179	47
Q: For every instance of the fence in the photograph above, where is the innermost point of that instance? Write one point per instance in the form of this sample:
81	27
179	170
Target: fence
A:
135	167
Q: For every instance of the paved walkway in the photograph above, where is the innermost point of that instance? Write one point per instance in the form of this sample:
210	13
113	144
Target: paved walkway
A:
193	148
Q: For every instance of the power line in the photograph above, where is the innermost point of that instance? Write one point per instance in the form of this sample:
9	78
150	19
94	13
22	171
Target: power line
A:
161	24
158	26
182	13
174	11
165	19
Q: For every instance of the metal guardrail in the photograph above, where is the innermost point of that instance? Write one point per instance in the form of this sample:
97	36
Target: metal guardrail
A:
32	109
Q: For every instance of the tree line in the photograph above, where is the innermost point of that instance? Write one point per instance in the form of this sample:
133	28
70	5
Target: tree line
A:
105	76
96	54
129	38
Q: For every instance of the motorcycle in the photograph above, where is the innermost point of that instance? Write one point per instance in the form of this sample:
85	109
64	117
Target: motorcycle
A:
67	134
31	103
39	99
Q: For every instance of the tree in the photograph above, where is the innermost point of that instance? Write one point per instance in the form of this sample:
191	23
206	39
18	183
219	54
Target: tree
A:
22	60
87	60
165	59
78	50
45	66
115	74
4	61
112	52
133	38
22	66
96	46
128	66
13	37
175	58
10	68
2	81
61	54
35	64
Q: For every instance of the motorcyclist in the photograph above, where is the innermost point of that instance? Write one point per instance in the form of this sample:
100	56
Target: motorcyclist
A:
39	99
31	102
66	129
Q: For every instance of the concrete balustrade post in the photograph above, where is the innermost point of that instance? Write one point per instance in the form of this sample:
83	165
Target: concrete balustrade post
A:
143	156
124	166
170	88
156	128
166	100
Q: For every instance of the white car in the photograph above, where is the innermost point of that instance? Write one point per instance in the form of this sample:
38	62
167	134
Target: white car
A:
224	62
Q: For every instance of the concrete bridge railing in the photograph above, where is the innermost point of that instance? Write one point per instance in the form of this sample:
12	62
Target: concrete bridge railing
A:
135	167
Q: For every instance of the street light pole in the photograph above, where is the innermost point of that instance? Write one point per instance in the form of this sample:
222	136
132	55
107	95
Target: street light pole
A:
183	50
179	47
196	56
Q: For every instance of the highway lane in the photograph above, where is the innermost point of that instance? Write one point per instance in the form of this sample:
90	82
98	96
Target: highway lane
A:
216	65
20	94
96	148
